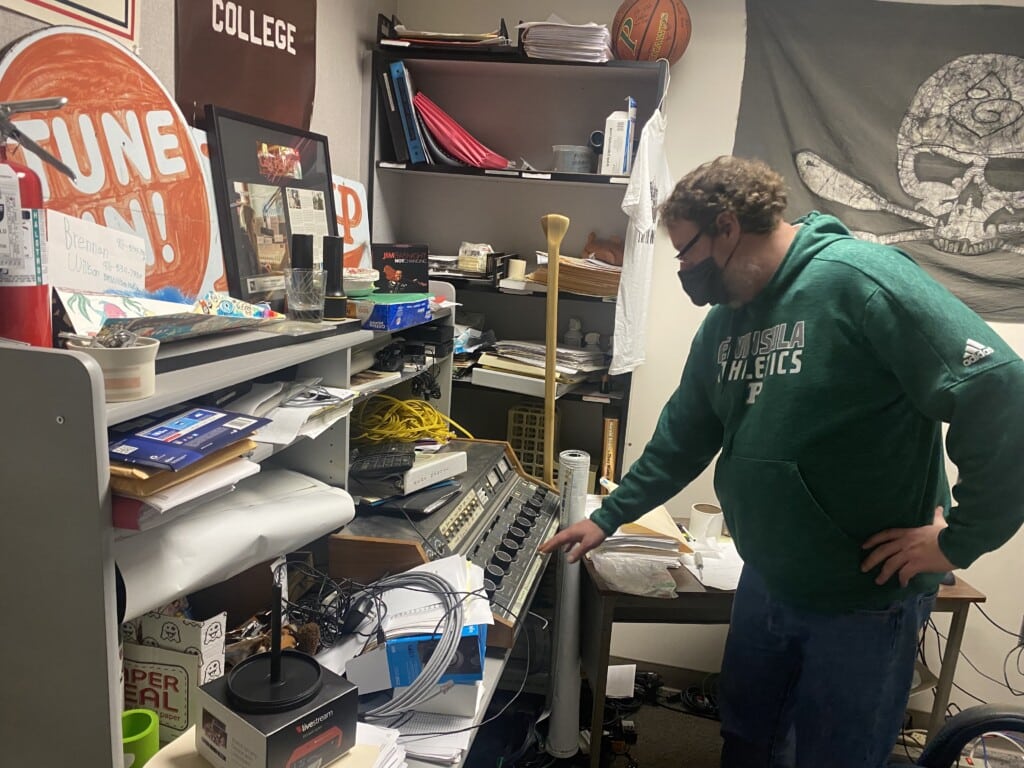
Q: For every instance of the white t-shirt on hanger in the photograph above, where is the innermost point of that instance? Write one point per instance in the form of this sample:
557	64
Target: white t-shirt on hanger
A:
649	186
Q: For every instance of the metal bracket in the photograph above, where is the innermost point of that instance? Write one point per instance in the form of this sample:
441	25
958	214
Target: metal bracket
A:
10	131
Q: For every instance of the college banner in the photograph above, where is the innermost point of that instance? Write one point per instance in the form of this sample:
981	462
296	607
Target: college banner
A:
258	58
118	18
907	122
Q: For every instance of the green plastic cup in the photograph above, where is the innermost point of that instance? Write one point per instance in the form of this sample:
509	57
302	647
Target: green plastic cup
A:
140	736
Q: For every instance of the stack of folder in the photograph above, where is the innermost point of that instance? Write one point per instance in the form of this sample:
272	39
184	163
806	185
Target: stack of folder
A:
174	460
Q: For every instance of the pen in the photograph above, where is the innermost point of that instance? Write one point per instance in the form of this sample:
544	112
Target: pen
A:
698	560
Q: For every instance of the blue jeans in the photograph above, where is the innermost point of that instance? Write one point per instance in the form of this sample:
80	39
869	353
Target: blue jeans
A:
804	690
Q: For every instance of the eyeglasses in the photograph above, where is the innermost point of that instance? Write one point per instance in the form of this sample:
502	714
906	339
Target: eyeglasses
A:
686	248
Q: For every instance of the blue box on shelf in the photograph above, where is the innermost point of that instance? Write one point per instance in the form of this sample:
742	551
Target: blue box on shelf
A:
391	312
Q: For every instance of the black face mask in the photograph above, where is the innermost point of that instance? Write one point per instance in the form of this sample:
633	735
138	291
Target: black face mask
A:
703	283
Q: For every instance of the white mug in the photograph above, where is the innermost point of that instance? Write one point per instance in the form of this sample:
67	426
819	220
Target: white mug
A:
705	522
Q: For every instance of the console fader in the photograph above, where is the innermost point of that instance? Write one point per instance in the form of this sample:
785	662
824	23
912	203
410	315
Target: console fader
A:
498	520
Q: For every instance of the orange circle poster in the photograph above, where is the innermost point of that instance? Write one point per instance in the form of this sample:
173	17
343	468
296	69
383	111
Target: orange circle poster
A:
139	168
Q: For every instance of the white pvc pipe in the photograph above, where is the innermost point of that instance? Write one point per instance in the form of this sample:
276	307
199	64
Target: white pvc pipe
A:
563	732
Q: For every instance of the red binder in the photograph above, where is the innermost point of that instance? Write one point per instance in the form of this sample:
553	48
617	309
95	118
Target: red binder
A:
454	138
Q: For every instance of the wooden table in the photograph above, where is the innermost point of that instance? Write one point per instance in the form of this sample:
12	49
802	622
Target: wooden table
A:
602	606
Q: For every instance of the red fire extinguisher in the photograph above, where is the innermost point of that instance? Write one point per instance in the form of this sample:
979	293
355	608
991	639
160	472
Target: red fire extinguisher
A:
25	313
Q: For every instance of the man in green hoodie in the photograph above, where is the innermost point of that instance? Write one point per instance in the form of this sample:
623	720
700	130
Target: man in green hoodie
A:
823	374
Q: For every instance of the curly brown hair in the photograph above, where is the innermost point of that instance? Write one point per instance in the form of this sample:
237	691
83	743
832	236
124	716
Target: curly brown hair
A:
748	188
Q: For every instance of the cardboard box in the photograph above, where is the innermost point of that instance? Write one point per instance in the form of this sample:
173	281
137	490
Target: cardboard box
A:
204	639
391	316
400	660
619	129
167	682
315	734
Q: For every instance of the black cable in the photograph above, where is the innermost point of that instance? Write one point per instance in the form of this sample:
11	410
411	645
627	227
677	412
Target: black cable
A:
974	667
1006	674
1001	628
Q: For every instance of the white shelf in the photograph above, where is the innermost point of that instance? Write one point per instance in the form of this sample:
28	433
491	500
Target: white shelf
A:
177	386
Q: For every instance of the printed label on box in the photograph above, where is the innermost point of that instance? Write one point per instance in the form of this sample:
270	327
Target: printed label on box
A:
166	682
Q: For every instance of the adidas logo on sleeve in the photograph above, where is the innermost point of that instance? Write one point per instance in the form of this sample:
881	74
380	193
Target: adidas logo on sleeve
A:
975	351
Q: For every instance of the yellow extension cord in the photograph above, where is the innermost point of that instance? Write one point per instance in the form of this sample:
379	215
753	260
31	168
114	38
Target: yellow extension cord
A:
383	418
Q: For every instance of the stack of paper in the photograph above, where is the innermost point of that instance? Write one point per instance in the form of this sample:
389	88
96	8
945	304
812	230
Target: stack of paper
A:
556	39
716	564
653	536
375	747
588	277
295	412
405	37
412	612
140	513
440	739
568	360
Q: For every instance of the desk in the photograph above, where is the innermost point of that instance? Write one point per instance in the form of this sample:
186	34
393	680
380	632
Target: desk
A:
601	607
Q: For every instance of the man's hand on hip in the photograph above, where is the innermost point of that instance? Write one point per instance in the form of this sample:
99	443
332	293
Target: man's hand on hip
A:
577	539
907	552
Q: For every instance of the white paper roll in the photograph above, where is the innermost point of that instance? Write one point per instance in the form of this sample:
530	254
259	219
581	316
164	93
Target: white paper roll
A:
516	269
573	476
563	733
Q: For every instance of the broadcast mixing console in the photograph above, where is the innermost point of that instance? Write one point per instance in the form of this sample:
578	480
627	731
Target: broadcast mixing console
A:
498	519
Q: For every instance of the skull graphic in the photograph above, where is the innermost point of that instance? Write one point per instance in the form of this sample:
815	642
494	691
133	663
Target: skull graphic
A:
960	151
960	155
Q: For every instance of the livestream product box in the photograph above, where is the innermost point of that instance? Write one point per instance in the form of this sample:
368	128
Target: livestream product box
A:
315	734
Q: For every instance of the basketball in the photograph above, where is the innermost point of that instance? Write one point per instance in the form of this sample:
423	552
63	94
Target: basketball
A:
648	30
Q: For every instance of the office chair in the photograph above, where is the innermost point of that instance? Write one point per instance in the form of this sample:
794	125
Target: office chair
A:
960	730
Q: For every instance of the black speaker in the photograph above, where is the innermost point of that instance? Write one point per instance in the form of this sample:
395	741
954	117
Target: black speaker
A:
335	302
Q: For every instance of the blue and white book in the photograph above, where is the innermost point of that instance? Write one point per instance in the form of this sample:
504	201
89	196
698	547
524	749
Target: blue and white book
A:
177	438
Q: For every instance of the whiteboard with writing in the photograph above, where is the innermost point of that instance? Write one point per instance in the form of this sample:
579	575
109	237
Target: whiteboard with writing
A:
83	256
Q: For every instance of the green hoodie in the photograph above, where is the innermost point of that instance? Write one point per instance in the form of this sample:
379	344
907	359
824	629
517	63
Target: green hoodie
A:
825	395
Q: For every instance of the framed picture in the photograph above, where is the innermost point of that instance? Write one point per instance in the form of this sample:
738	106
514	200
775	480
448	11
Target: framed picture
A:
271	181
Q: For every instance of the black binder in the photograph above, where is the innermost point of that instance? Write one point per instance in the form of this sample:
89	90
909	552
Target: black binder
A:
391	118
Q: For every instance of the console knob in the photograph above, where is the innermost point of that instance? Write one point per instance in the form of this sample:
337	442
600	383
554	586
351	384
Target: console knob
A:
518	535
524	522
509	546
502	560
494	574
490	587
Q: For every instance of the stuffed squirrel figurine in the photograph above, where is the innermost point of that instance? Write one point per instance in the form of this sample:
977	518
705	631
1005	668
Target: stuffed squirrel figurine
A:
607	250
